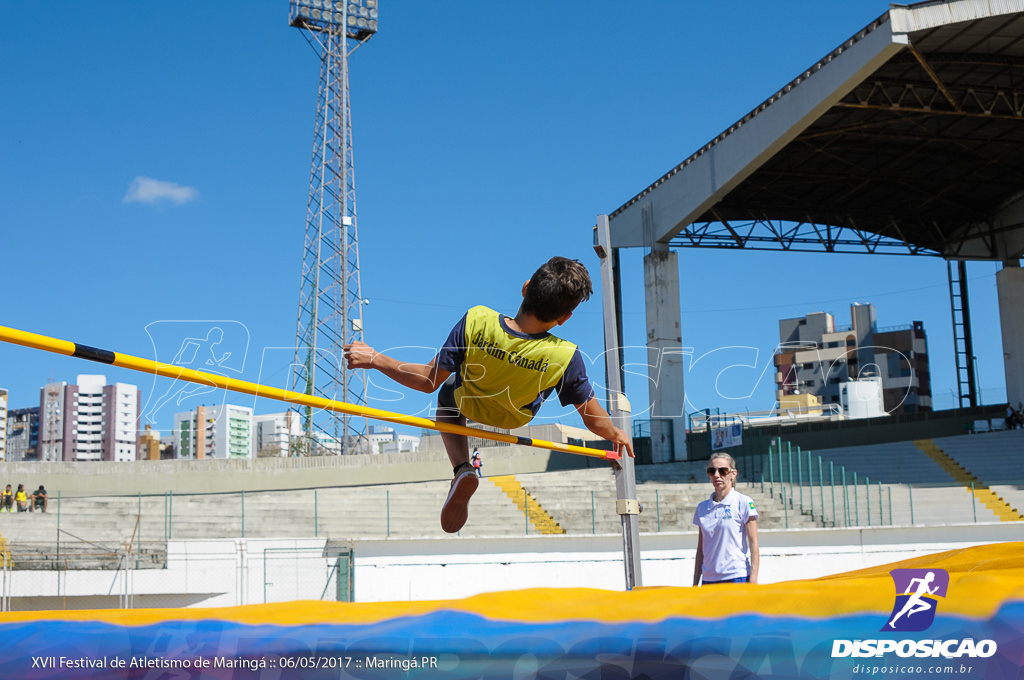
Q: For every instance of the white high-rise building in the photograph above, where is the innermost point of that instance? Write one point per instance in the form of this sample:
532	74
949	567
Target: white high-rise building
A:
90	420
87	440
275	432
222	431
384	439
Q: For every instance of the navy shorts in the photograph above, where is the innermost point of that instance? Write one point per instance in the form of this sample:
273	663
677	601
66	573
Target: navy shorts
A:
740	579
446	399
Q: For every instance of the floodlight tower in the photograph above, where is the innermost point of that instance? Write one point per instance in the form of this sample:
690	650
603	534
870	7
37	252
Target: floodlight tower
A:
330	296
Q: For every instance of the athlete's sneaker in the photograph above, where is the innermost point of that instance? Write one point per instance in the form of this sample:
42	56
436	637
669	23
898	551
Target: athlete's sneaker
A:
455	510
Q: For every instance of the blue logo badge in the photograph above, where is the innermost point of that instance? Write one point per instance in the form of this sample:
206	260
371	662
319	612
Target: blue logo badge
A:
916	593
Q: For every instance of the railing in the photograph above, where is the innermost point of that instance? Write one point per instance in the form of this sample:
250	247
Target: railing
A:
809	485
250	573
131	532
700	421
832	494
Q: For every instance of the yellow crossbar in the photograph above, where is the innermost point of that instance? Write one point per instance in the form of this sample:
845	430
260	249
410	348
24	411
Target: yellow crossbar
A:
48	344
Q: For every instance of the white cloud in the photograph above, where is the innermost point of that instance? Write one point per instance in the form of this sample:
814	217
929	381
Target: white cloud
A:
148	190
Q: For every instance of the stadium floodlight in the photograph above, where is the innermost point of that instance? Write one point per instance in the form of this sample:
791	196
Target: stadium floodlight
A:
330	295
357	18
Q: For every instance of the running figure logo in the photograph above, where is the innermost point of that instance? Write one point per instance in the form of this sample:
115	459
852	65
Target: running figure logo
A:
916	593
216	347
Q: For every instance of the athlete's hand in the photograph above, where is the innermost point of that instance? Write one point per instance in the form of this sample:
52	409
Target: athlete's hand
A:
359	355
623	442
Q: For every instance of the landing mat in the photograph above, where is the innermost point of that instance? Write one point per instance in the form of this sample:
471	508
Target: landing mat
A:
969	623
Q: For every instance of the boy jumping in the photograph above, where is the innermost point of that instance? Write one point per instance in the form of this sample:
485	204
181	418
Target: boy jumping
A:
498	370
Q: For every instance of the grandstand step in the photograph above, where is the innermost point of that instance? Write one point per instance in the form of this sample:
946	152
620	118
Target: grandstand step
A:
578	501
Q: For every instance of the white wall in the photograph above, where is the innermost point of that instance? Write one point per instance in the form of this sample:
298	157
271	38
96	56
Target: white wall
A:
235	572
388	570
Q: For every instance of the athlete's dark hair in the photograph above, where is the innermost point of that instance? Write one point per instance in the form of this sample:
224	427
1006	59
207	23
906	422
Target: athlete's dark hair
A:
556	289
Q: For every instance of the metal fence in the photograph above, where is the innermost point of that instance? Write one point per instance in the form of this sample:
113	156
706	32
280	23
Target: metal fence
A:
838	496
217	574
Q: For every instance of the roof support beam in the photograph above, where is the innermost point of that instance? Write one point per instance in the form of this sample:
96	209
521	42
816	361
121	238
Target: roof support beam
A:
693	187
934	76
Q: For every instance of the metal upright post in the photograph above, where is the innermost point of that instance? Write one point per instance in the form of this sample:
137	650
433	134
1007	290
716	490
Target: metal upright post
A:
58	534
785	507
526	512
789	461
821	486
761	462
618	407
856	502
832	484
800	477
810	483
867	497
846	497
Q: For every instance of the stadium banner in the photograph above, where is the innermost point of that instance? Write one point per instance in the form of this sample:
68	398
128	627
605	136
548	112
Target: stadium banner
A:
726	436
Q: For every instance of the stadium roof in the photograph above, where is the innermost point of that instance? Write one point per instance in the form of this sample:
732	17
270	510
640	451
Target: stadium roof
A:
907	138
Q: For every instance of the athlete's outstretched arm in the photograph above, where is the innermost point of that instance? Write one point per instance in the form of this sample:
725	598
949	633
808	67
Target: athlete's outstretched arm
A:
421	377
599	422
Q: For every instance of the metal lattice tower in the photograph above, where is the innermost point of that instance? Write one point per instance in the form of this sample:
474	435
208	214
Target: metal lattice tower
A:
330	296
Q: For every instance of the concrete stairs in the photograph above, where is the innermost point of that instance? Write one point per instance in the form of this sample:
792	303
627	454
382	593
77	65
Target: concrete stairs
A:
907	486
45	541
996	458
398	510
995	461
538	517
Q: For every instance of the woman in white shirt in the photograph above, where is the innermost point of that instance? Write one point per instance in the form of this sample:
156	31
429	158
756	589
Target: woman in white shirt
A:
728	527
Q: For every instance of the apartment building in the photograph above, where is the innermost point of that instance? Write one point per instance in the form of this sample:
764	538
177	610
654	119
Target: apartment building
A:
275	432
816	357
88	420
22	434
221	431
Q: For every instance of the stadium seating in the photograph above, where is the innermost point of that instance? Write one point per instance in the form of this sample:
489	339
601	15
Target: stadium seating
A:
895	484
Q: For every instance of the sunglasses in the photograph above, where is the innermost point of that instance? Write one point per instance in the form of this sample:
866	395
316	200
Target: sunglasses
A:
723	471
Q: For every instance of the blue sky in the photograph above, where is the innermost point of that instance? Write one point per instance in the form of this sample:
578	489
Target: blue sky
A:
154	159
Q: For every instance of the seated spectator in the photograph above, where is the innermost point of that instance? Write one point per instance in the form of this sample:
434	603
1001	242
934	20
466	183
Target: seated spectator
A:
7	500
21	498
1014	419
39	499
